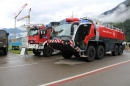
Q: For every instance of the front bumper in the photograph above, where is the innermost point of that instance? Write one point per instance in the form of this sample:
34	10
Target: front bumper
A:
34	46
61	45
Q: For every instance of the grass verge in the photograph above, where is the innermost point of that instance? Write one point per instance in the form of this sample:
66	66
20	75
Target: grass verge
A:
17	51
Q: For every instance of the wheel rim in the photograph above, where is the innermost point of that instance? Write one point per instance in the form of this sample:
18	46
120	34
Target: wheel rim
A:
48	51
116	51
120	50
91	54
101	52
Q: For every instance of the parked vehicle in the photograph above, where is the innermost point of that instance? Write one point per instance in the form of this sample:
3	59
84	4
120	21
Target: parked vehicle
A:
86	38
38	42
4	41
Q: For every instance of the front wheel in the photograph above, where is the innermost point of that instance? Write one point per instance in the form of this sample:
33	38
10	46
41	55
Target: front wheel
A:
36	52
47	51
91	53
66	54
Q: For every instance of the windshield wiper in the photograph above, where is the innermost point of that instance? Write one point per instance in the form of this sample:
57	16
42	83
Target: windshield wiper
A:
65	36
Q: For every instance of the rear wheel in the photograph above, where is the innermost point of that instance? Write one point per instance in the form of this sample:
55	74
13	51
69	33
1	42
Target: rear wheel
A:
115	51
47	51
99	52
120	50
66	54
91	53
36	52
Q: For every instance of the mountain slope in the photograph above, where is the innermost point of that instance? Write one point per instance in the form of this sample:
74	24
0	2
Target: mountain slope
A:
120	13
19	32
116	8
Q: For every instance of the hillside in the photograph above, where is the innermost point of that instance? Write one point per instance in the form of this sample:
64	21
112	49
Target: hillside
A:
120	13
19	32
113	10
126	3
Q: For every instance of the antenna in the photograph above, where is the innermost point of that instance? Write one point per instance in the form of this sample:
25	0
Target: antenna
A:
72	14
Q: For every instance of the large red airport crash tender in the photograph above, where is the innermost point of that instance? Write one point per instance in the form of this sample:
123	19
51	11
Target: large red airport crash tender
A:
86	38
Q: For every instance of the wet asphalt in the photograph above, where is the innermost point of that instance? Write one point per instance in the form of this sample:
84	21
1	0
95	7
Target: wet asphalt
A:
16	70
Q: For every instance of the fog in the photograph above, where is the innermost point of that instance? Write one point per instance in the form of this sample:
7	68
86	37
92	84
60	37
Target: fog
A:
119	15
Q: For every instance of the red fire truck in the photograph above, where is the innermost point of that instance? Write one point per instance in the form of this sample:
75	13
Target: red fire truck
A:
86	38
38	42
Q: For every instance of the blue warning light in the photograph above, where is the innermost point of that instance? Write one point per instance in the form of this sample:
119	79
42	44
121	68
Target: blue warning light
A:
83	21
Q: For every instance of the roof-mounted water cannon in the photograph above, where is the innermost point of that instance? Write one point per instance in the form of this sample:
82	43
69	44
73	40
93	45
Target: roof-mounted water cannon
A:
85	20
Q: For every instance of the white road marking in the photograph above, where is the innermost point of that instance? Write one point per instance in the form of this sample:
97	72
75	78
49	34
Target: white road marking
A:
18	66
83	74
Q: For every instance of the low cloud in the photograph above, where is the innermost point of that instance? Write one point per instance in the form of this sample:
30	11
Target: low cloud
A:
120	15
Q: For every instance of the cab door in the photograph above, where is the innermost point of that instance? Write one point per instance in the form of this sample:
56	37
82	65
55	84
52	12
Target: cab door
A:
82	31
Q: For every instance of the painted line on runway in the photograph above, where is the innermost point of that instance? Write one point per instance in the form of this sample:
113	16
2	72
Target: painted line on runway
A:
18	66
55	83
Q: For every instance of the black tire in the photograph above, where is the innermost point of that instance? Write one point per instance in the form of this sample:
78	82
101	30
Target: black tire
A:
66	54
5	51
100	52
36	52
91	53
120	50
47	51
115	51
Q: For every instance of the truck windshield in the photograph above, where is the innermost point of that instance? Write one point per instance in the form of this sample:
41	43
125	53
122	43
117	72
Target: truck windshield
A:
62	30
2	33
33	32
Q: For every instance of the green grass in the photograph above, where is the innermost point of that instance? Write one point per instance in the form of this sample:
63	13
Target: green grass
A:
18	51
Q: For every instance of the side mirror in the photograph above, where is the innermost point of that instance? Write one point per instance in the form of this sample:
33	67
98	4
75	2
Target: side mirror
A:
72	31
7	34
43	32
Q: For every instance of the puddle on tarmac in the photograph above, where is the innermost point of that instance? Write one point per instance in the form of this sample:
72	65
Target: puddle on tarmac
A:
70	61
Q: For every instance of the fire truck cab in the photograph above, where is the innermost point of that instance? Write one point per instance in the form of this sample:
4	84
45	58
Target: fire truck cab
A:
38	42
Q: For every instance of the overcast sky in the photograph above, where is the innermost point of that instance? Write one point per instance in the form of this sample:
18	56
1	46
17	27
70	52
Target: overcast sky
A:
45	11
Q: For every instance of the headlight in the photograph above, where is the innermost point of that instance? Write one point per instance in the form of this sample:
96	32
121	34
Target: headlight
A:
66	42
